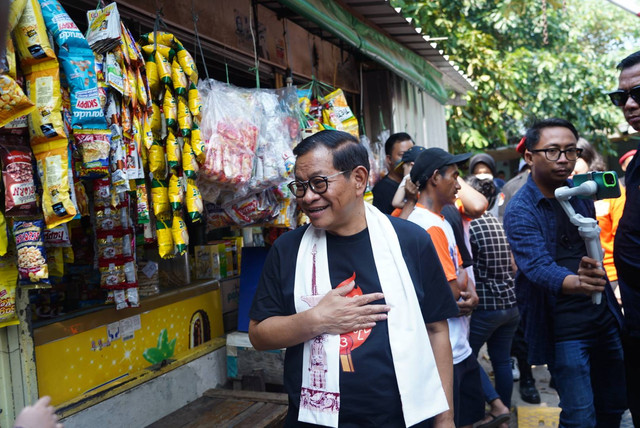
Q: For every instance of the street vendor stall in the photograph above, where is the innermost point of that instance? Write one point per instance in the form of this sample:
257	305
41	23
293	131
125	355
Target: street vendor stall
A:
142	146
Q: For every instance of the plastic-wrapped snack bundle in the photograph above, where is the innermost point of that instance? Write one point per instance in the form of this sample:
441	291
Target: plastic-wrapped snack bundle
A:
17	175
104	28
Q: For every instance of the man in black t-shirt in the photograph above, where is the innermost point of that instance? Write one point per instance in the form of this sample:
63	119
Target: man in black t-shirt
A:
385	189
331	175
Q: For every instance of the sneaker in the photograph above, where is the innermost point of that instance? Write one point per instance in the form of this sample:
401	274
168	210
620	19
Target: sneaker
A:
515	371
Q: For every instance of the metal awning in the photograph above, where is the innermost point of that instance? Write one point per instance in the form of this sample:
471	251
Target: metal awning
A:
382	17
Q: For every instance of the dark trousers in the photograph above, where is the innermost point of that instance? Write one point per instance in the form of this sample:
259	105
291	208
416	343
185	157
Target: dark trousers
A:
629	283
519	350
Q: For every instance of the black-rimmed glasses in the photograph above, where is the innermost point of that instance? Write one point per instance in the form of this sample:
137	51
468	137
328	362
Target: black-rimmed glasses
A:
620	97
553	154
318	184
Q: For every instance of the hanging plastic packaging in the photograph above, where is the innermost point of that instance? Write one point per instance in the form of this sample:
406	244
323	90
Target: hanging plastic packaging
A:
32	43
32	258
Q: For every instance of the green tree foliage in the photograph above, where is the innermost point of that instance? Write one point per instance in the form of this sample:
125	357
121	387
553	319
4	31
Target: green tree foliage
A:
500	44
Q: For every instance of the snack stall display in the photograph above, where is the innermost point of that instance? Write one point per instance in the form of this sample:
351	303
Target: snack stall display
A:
127	179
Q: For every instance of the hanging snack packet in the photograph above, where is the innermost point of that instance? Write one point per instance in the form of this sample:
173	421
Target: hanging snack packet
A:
113	73
157	161
188	65
103	34
195	103
176	192
43	88
194	203
179	79
57	236
184	117
174	152
52	161
165	240
134	162
133	299
166	39
147	134
81	198
153	78
164	68
102	191
30	34
156	121
16	7
32	259
170	108
13	102
110	218
197	144
17	174
179	234
118	161
78	63
4	239
109	244
94	145
160	199
338	114
8	281
111	274
189	165
142	202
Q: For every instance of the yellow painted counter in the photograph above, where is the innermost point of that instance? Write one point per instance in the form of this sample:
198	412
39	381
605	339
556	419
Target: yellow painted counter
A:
103	348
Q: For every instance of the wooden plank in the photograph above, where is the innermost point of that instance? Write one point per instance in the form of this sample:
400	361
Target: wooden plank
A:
185	414
220	414
268	415
267	397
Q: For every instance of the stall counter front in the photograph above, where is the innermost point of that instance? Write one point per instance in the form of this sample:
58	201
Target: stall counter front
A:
97	351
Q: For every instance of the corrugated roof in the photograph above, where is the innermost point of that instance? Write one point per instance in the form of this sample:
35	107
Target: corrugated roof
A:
382	16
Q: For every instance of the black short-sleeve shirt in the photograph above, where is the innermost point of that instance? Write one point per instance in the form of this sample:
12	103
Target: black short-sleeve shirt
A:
369	393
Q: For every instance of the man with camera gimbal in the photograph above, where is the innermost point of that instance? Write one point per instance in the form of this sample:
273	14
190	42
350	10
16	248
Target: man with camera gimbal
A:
578	340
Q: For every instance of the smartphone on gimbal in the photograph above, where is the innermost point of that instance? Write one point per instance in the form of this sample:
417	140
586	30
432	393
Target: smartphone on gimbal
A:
607	181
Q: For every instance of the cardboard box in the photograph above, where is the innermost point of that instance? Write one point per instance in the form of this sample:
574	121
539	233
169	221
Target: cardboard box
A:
230	293
207	262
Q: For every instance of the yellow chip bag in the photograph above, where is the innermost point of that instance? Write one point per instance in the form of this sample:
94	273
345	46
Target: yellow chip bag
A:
195	103
179	234
55	262
170	108
43	88
160	199
166	39
165	240
164	50
197	144
195	206
176	192
141	90
179	79
147	134
157	161
164	68
153	79
52	161
189	164
32	42
10	56
174	153
184	117
8	281
16	7
186	62
4	240
13	102
156	121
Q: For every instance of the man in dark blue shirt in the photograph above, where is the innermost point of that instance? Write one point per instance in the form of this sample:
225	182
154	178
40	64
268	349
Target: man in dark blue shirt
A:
578	340
385	189
626	251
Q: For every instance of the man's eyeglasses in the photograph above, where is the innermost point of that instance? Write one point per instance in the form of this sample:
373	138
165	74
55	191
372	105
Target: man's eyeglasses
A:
620	97
554	154
318	184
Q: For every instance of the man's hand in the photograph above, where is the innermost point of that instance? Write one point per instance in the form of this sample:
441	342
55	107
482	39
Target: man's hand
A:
410	191
469	301
589	280
40	415
340	314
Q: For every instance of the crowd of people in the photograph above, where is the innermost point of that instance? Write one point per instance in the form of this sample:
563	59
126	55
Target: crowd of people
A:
383	309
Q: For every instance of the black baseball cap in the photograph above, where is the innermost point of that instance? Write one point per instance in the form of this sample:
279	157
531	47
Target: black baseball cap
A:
409	156
430	160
